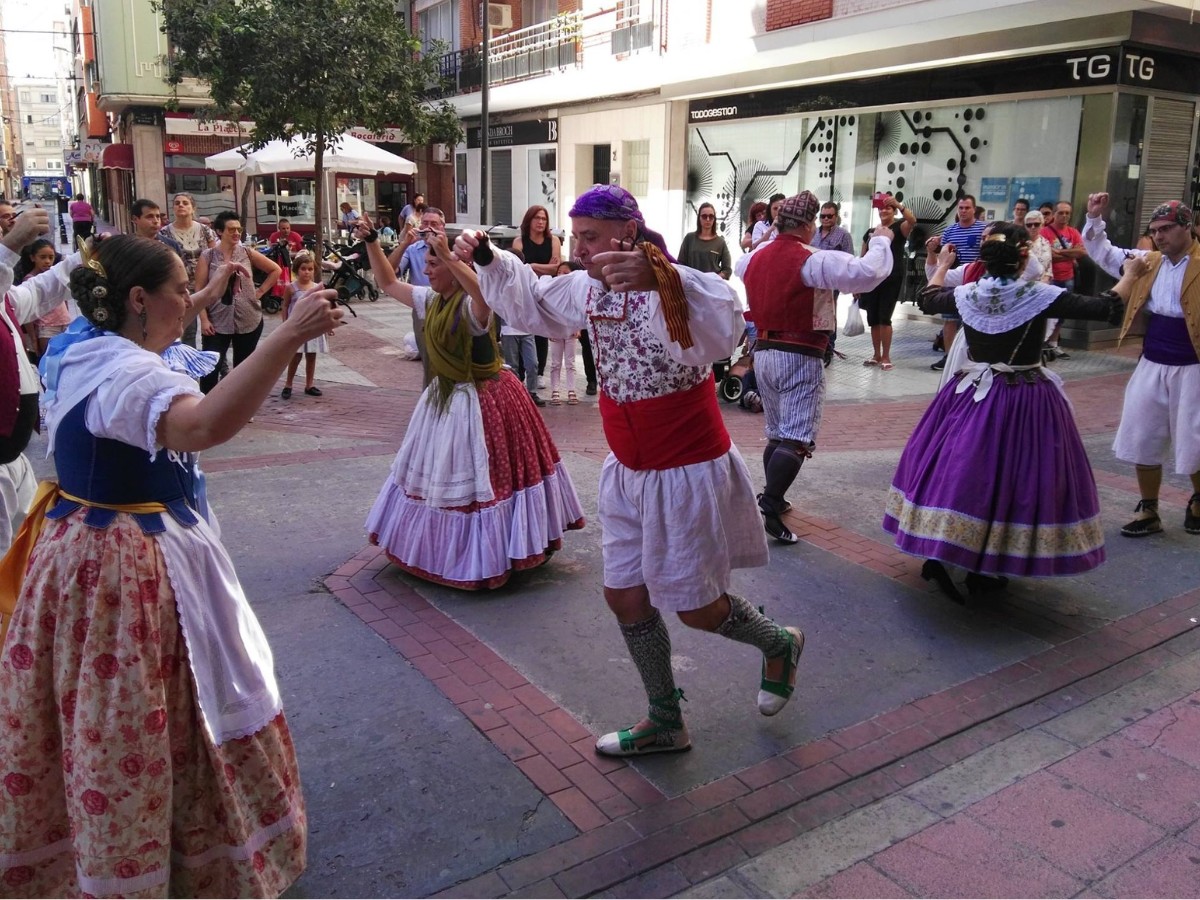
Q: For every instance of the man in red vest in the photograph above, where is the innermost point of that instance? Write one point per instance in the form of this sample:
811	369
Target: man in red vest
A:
792	290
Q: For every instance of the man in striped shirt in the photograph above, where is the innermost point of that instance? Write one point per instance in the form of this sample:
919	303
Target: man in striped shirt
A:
965	234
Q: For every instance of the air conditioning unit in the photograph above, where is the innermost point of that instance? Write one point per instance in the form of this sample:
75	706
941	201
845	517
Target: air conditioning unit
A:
499	16
441	153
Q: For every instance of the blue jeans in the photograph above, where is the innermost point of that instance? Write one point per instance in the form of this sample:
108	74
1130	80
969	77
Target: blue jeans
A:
519	350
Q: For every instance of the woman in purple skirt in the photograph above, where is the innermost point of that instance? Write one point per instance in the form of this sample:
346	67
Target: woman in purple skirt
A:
994	478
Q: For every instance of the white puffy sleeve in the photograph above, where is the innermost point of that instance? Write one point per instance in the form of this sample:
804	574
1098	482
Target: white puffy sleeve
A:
714	318
39	294
420	297
551	307
127	405
1100	248
834	270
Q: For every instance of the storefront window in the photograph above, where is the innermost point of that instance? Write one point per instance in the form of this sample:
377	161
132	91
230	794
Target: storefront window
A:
927	157
213	193
294	200
358	192
1125	167
543	181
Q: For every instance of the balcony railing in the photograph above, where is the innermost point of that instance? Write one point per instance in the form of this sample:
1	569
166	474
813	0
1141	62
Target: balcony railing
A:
540	49
631	36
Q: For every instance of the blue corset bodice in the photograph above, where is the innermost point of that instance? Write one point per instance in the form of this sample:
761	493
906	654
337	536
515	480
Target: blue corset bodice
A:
101	470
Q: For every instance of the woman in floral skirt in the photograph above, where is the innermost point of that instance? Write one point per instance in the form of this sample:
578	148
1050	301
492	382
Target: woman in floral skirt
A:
144	749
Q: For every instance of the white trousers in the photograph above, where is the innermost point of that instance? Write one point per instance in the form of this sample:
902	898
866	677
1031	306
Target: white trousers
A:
1162	410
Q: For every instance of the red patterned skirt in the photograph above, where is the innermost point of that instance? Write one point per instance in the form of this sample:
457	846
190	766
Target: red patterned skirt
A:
477	490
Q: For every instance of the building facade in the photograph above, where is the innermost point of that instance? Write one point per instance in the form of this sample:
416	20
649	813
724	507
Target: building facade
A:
153	139
729	103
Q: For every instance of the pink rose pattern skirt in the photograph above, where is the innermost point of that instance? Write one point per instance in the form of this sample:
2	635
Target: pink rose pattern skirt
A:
111	785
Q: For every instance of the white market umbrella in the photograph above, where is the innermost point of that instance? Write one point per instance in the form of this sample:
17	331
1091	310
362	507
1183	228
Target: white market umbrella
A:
352	156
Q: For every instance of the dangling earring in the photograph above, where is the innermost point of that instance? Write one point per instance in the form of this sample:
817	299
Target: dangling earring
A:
142	318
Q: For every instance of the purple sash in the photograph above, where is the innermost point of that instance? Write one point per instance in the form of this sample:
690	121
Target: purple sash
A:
1168	343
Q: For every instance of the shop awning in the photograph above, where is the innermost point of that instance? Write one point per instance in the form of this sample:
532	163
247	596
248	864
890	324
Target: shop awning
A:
117	156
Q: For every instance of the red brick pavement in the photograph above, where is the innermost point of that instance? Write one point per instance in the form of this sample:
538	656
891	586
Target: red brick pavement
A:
632	838
629	830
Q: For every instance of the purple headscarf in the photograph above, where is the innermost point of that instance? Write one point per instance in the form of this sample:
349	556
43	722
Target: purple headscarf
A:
611	201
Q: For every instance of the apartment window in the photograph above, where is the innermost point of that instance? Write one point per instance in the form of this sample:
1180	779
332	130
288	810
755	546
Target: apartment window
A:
24	96
635	167
29	120
54	164
51	144
439	23
535	11
48	98
31	143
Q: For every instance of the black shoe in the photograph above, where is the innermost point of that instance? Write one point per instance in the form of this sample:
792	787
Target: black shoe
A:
537	401
772	522
1061	354
1143	527
591	389
775	528
939	343
978	584
313	391
935	571
1191	523
783	510
286	393
939	365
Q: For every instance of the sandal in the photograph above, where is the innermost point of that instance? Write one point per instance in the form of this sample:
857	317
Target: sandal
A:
774	695
886	366
1191	523
870	362
659	737
1147	525
554	399
628	742
572	400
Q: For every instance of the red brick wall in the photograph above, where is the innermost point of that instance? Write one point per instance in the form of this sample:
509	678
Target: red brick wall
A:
787	13
469	31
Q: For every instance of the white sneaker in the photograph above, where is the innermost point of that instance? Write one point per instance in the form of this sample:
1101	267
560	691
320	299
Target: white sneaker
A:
541	381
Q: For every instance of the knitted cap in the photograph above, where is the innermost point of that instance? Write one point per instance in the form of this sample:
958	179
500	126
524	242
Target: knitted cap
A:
800	209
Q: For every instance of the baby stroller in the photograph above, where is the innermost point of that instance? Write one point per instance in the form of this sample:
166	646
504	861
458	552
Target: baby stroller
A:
731	373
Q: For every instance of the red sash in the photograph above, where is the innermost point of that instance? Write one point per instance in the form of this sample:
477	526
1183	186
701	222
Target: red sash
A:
679	429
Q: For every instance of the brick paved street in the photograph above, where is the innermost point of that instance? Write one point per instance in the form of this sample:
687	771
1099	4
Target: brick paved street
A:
1040	744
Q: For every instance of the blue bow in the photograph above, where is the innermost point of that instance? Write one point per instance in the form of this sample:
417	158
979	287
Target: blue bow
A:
51	365
179	357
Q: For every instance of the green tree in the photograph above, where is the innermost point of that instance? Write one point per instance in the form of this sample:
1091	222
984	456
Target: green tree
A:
308	69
